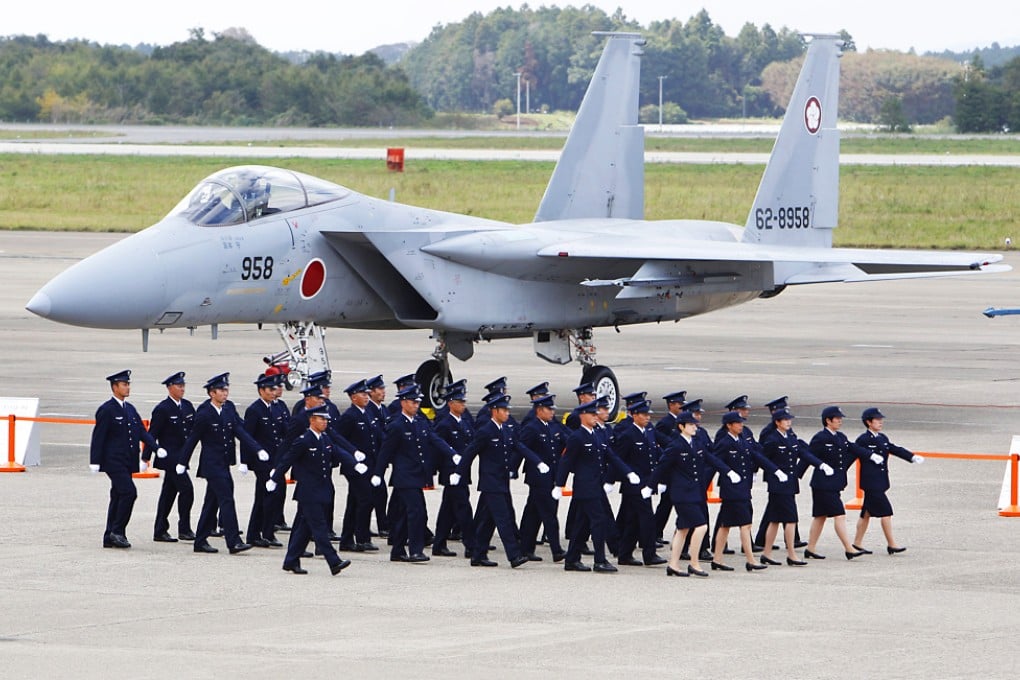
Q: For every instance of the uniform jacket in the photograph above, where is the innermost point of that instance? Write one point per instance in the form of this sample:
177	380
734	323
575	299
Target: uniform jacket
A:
875	476
687	468
169	426
588	457
499	455
839	452
267	424
358	427
744	458
791	455
458	434
547	440
638	448
217	433
406	446
312	458
117	437
666	430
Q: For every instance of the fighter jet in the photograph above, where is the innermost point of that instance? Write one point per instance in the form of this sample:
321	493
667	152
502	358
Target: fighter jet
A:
263	245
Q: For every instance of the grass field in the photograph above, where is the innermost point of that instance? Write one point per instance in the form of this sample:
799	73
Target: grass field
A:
922	207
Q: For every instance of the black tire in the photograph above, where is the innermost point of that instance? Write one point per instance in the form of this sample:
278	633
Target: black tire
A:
432	383
606	385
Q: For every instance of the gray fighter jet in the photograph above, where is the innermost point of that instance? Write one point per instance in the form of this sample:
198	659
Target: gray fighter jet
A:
263	245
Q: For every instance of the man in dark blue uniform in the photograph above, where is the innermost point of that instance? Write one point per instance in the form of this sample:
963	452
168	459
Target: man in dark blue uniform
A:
116	438
499	453
267	423
169	425
312	456
636	446
217	426
547	437
584	458
358	427
457	431
406	446
377	409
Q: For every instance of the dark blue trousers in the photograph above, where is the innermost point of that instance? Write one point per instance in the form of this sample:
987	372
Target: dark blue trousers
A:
122	500
407	508
455	509
310	523
219	498
540	509
495	512
175	487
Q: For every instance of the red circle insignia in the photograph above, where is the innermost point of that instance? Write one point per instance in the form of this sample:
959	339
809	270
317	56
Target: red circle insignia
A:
313	279
813	115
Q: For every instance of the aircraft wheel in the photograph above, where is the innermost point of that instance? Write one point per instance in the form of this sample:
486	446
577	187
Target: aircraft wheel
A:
606	385
431	379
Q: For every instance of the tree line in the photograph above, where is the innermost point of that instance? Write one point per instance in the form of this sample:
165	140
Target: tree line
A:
472	66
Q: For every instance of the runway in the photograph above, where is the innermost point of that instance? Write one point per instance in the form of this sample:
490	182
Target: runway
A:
945	376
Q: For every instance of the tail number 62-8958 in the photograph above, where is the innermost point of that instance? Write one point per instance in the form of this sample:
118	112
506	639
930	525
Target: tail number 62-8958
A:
783	218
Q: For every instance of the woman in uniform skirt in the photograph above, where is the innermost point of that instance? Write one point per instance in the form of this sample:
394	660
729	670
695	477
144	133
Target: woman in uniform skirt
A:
875	479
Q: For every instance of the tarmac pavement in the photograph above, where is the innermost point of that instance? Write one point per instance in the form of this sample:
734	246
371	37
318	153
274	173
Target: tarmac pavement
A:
945	376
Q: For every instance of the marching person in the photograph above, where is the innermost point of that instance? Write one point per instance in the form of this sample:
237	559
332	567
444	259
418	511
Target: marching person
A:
217	426
778	404
169	425
635	521
266	421
312	456
833	448
665	430
685	468
377	397
534	393
114	450
547	437
792	456
744	458
406	446
585	392
584	458
457	430
499	454
875	479
357	426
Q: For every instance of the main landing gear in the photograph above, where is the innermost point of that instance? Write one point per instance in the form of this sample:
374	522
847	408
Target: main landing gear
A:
602	377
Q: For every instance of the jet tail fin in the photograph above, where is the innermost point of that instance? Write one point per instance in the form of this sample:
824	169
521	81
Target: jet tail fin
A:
797	203
600	172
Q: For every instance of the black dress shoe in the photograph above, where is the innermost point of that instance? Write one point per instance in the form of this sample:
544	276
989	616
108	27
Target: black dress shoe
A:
576	566
519	561
366	547
659	543
630	562
728	551
217	534
769	560
164	538
795	563
484	562
281	527
757	548
204	547
892	551
705	555
604	568
559	556
808	555
306	553
384	533
418	557
585	550
863	551
442	552
691	571
333	537
851	555
670	571
273	543
259	543
339	566
239	548
655	561
750	566
456	536
186	535
797	544
347	547
115	541
294	569
532	557
399	558
716	566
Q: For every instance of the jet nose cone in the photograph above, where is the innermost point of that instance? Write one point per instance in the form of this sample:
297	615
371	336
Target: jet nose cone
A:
40	305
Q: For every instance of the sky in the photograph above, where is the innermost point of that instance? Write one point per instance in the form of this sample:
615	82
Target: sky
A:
352	28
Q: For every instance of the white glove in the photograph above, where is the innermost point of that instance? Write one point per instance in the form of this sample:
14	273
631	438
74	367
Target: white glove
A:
734	477
454	479
782	476
608	488
633	478
361	468
646	492
557	492
270	486
242	468
143	465
827	469
93	468
376	480
263	455
180	469
456	459
876	459
917	460
662	488
161	452
359	456
543	468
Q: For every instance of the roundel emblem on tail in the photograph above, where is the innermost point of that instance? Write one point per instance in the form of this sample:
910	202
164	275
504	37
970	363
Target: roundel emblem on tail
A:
313	279
813	115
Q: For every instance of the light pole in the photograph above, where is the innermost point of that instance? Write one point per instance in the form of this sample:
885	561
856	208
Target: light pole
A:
518	74
661	78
